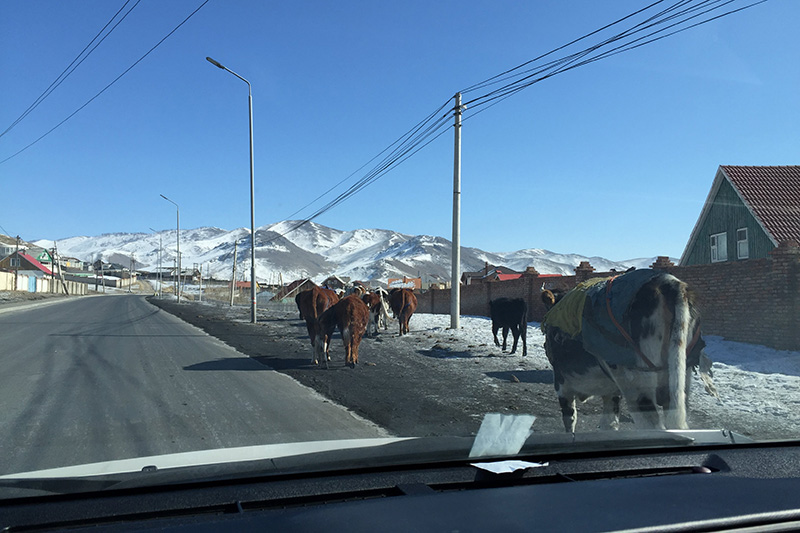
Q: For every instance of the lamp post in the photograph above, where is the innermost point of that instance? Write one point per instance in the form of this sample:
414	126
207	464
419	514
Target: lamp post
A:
252	196
178	291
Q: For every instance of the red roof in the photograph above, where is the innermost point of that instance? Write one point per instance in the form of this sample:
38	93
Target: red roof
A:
773	196
506	277
35	263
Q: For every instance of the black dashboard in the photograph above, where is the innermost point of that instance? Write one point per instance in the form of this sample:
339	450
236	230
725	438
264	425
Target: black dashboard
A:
720	488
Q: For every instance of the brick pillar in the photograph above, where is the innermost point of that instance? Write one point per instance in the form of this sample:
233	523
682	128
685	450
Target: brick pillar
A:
785	284
662	263
583	271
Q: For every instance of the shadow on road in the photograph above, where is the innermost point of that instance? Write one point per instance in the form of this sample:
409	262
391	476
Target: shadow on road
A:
229	363
446	353
524	376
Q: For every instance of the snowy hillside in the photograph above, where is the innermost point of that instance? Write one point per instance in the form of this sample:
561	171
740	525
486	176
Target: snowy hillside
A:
315	251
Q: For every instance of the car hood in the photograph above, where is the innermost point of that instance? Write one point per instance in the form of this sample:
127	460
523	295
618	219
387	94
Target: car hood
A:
341	455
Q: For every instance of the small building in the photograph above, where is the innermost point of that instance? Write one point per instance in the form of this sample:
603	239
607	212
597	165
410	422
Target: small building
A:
404	283
293	289
749	211
245	285
336	283
490	273
23	263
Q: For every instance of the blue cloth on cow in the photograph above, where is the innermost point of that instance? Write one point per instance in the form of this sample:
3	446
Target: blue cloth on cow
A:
583	315
599	334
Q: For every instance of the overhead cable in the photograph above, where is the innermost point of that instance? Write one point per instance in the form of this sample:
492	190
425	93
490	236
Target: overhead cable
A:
70	68
675	15
51	130
682	17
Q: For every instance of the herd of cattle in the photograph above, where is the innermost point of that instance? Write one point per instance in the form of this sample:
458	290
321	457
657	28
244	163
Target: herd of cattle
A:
635	337
354	314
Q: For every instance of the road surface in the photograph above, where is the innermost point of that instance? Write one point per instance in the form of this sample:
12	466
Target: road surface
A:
110	377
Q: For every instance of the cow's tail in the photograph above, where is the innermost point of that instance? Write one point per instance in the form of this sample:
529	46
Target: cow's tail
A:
675	416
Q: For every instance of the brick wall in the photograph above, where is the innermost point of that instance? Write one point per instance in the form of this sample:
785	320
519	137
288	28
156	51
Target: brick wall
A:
755	301
475	298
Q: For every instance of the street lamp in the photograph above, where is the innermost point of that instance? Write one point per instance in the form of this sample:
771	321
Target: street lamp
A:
252	197
178	291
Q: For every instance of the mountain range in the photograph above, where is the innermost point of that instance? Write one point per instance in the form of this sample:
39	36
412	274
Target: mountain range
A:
315	251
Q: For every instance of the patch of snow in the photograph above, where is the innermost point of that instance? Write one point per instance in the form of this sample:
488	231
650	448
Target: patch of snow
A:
759	387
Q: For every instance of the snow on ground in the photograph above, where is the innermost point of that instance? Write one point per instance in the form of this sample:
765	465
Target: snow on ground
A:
759	387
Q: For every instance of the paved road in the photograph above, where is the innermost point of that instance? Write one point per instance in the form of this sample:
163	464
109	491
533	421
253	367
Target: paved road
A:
111	377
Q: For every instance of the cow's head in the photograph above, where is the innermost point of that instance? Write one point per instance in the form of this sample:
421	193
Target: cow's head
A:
551	298
548	299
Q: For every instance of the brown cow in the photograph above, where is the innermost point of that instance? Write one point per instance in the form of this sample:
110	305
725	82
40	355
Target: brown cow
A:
350	315
312	303
403	303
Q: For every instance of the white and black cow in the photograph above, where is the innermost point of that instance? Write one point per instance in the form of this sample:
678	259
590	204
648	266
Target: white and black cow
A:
634	336
510	314
378	303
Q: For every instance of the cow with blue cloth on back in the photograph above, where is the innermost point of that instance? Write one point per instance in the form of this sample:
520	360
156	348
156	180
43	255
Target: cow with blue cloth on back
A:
634	336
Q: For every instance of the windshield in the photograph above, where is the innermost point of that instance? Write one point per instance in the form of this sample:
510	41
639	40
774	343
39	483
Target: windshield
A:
236	232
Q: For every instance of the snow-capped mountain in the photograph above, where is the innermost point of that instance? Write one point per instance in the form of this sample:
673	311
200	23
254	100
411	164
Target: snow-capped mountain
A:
315	251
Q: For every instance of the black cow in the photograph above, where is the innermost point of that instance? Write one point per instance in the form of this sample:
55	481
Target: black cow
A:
510	314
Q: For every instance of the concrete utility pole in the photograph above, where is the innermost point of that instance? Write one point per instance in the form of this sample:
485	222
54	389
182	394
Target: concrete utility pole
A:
60	271
158	276
178	290
133	272
233	275
16	267
455	255
53	269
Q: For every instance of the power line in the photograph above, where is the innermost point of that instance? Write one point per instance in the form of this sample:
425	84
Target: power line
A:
421	135
398	140
569	62
499	77
51	130
70	69
682	11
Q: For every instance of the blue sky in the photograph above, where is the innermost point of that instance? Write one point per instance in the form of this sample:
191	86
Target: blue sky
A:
614	158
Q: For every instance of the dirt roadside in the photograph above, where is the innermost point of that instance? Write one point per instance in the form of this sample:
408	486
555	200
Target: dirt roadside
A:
413	385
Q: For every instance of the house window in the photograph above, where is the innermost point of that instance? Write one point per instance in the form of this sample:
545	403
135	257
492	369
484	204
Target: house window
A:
719	247
15	262
742	250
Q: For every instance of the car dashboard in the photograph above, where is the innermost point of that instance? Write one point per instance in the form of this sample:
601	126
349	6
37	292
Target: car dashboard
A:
715	488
